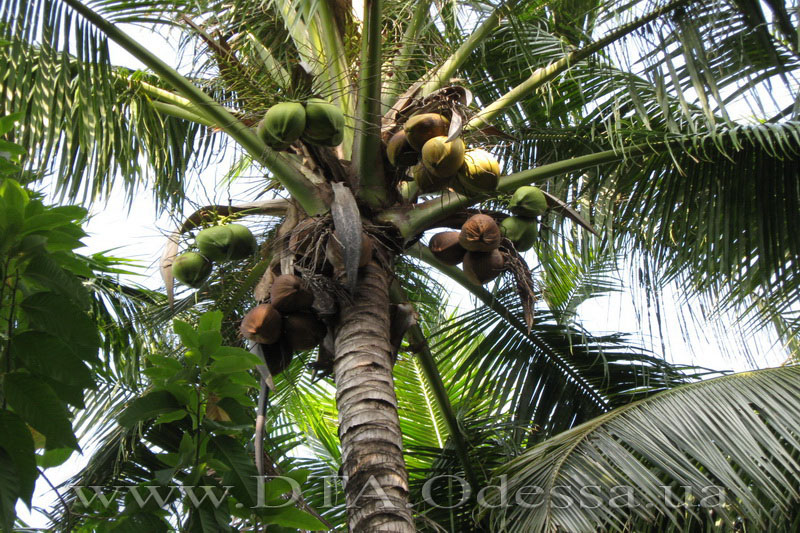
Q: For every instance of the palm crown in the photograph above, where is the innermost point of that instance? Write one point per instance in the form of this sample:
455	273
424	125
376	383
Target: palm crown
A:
625	114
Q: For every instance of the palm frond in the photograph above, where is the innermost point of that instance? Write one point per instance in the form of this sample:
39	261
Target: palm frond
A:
679	440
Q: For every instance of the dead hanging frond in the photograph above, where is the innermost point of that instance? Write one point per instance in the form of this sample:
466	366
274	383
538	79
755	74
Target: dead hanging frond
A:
523	280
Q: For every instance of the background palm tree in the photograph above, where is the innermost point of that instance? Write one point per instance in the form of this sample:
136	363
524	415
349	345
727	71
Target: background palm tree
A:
630	119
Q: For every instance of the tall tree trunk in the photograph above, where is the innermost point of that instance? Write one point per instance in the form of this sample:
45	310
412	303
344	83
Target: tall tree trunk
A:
376	485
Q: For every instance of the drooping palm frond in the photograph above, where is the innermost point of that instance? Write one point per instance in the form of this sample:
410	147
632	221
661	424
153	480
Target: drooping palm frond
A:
728	445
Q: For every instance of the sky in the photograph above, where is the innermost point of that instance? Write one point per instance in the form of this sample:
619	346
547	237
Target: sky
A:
137	232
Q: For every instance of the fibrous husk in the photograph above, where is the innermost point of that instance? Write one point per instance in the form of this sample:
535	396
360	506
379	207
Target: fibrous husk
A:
427	181
446	248
442	158
424	126
324	123
228	242
480	172
480	233
482	267
399	152
521	231
528	201
288	294
335	256
262	324
191	269
303	331
302	237
282	125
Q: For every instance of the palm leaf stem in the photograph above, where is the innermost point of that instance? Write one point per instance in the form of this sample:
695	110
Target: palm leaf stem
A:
290	177
367	155
181	112
426	215
441	75
419	344
406	53
457	275
543	75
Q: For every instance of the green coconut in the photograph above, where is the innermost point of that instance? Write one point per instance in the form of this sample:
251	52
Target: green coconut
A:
228	242
521	231
480	233
420	128
427	181
528	201
282	125
399	152
482	267
480	172
324	123
442	158
191	269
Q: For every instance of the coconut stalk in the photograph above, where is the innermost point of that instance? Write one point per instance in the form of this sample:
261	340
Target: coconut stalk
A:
290	177
419	18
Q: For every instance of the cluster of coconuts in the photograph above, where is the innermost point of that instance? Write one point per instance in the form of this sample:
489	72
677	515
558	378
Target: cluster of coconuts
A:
287	318
477	244
436	163
315	121
229	242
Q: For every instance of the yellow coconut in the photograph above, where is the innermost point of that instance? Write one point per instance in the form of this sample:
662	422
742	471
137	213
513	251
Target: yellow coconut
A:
427	181
399	152
442	158
420	128
480	172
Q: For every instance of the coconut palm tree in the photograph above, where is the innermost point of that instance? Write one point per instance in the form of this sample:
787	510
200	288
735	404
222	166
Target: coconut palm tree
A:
633	117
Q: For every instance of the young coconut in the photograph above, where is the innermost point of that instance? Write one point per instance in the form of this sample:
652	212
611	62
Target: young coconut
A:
324	123
480	233
282	125
228	242
287	294
446	248
480	172
427	181
528	201
420	128
521	231
191	269
442	158
303	331
482	267
399	152
262	324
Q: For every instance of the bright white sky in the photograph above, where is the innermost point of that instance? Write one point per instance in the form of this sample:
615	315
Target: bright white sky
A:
139	234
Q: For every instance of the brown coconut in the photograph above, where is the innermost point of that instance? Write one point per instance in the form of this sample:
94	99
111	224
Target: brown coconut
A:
288	294
277	355
303	331
399	152
420	128
480	233
334	252
262	324
446	248
482	267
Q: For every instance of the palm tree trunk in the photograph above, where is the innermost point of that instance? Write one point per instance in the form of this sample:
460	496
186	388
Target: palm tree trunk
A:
376	481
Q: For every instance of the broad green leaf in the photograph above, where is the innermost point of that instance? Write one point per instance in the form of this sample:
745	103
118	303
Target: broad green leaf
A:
235	363
39	406
51	458
7	122
51	312
228	351
171	416
148	406
13	199
187	333
210	341
210	321
293	517
16	440
242	475
9	487
49	356
139	523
